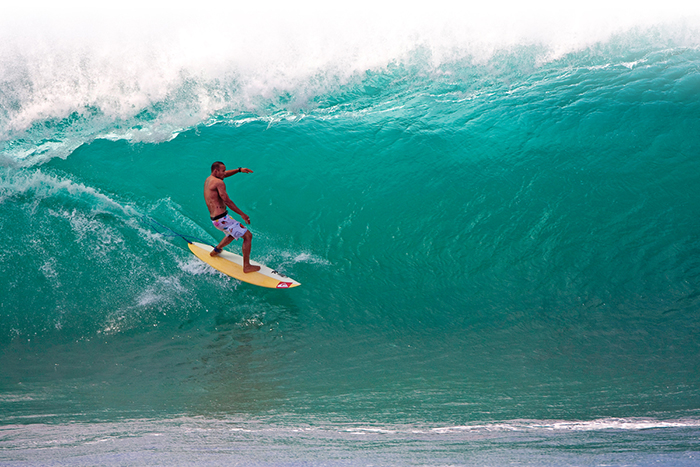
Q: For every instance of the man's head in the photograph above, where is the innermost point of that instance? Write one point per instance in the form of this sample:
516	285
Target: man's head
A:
218	169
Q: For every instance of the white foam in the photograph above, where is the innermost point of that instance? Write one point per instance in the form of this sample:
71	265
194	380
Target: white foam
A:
89	70
163	291
196	267
566	425
43	185
304	257
282	260
149	297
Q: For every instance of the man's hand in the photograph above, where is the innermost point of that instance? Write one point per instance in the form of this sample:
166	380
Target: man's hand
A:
245	218
246	171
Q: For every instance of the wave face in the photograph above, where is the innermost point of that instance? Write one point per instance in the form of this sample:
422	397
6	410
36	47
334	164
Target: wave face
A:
489	223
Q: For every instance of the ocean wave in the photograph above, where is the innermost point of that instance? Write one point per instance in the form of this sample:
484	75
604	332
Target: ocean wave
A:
40	185
67	84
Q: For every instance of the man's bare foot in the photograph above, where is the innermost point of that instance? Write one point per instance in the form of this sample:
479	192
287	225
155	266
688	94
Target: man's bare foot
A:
215	252
250	268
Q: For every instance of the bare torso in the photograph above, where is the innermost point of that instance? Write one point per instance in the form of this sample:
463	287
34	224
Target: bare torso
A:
212	189
217	200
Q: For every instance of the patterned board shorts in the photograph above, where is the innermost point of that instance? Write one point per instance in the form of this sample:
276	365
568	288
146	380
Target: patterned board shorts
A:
229	226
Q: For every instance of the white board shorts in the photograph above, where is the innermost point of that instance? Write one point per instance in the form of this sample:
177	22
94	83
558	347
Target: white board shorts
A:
229	226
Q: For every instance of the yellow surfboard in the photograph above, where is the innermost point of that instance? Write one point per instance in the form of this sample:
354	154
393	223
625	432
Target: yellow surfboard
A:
232	265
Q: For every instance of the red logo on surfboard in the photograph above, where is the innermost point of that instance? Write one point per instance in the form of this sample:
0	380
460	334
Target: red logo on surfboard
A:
284	285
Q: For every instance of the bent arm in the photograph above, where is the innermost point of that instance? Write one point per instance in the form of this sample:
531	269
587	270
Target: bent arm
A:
228	202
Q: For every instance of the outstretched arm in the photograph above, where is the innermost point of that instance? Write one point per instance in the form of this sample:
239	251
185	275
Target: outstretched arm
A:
237	171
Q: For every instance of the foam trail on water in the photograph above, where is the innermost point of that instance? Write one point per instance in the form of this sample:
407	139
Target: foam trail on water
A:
41	185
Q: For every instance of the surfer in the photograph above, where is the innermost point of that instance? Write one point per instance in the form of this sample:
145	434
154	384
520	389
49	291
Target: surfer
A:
217	199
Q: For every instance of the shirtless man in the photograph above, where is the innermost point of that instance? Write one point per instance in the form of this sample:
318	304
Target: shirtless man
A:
217	199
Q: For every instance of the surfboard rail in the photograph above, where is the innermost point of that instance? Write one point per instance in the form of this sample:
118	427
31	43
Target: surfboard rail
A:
231	264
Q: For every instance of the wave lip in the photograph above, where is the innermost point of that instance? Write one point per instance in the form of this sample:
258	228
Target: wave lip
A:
68	79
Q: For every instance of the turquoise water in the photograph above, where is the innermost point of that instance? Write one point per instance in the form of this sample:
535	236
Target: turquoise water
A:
498	253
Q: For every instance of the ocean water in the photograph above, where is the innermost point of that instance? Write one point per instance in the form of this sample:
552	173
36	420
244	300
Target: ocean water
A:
493	213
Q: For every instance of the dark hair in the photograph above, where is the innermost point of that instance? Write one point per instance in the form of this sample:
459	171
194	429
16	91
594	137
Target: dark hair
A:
216	165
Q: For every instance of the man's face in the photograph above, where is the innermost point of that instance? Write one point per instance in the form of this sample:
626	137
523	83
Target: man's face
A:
220	172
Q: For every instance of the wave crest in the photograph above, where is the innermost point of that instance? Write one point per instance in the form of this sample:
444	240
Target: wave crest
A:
69	79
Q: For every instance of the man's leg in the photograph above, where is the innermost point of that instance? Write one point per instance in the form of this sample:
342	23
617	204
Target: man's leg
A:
247	241
227	239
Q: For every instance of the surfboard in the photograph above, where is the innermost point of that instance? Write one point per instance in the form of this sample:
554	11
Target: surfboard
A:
231	264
